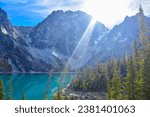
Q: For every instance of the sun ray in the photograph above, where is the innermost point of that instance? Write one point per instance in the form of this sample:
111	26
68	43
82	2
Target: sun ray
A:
80	50
75	61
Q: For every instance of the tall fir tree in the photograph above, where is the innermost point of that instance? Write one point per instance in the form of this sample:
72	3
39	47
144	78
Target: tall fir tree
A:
147	75
145	42
130	80
123	68
139	73
10	90
57	95
143	28
2	91
139	82
115	82
23	95
109	89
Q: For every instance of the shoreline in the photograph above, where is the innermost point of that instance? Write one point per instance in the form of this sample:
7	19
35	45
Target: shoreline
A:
80	95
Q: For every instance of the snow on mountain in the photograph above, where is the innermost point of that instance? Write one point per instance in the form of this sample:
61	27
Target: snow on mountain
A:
53	42
4	30
119	40
62	31
50	43
14	55
55	54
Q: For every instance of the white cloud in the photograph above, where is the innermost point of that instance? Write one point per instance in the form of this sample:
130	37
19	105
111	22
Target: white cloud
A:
45	7
109	12
134	5
106	11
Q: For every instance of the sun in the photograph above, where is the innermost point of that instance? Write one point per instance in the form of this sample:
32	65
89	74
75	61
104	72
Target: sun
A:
109	12
92	8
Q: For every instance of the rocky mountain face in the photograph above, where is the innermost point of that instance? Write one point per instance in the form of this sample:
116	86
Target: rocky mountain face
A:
45	46
63	30
119	40
14	55
52	42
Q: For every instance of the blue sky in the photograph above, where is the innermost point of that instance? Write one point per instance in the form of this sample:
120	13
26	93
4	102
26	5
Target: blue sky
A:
31	12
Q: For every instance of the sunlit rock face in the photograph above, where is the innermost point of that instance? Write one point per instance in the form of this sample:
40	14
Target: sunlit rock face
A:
14	55
48	45
63	38
67	33
63	30
119	41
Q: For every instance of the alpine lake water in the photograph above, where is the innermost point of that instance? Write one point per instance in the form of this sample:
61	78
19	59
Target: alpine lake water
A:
35	86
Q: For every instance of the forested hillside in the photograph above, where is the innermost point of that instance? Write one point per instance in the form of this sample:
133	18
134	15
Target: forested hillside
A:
127	78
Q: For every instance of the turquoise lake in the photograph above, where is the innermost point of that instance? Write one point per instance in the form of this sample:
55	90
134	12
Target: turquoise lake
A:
35	85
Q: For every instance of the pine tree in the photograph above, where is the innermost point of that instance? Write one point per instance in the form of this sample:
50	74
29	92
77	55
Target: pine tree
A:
139	82
23	95
130	86
48	84
10	90
109	89
2	92
147	75
58	92
143	28
136	57
115	88
123	67
139	73
145	42
45	97
57	95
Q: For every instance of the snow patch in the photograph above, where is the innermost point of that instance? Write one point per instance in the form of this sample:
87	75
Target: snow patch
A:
104	34
4	31
55	54
15	33
118	36
46	55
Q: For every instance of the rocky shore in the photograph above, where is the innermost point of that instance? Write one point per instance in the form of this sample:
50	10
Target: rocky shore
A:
80	95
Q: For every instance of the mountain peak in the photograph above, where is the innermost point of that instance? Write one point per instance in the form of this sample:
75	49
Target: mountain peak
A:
68	13
3	15
2	11
58	12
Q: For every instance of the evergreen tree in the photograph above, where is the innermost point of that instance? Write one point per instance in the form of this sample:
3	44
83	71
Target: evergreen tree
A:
139	73
57	95
147	75
130	86
139	82
143	28
123	67
10	90
23	95
109	89
2	92
45	97
58	92
145	42
115	88
136	57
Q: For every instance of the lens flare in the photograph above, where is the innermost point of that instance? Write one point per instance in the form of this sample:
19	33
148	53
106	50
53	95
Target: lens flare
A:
80	51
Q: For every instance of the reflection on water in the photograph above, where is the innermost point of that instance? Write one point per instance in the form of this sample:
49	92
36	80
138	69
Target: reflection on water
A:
35	85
